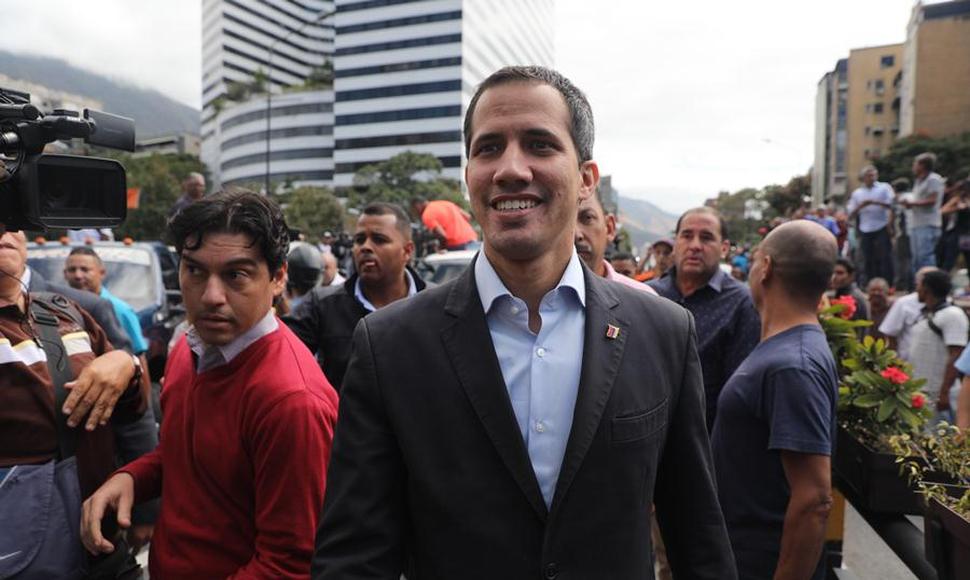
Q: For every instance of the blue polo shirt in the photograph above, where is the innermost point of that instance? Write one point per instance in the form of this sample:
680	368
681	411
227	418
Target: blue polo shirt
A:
128	319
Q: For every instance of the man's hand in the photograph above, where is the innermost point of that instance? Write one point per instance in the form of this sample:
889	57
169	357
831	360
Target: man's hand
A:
117	493
98	388
139	535
943	403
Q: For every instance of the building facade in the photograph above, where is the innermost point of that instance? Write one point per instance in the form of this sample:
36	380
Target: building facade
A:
935	95
406	70
278	42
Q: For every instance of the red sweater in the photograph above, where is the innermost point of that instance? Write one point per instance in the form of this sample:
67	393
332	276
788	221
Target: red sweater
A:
242	462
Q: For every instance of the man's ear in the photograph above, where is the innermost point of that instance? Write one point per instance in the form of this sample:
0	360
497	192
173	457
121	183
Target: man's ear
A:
279	280
589	172
409	249
725	248
610	227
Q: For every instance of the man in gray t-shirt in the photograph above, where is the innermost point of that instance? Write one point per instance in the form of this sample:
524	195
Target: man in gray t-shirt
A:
924	209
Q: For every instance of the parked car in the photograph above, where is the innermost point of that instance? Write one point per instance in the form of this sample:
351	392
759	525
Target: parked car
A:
441	267
143	274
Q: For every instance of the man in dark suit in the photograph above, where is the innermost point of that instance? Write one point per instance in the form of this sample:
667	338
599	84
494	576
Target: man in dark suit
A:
518	422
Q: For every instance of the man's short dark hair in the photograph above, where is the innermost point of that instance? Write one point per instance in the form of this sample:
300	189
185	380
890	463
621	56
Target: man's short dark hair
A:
938	283
847	264
237	211
708	211
803	255
620	256
86	251
401	219
581	128
927	160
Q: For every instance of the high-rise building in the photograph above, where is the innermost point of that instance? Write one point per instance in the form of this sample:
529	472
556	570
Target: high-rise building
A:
935	96
406	70
272	43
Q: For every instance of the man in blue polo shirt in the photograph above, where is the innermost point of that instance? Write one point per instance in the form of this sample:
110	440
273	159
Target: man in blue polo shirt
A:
775	428
84	270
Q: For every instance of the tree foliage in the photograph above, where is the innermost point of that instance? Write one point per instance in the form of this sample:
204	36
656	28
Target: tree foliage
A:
159	177
313	210
952	156
401	178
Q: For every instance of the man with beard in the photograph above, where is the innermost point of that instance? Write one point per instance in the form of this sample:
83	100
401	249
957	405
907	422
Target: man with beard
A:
326	318
595	230
517	421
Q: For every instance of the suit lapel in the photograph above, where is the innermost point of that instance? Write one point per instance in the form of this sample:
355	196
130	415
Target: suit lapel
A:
602	352
469	345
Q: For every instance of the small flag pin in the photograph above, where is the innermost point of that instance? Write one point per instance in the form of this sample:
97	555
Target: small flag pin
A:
612	332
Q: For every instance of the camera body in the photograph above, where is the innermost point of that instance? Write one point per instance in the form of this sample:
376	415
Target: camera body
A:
45	190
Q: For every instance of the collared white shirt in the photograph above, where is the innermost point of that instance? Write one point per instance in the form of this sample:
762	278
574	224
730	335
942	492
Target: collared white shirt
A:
213	356
359	293
541	371
872	217
25	279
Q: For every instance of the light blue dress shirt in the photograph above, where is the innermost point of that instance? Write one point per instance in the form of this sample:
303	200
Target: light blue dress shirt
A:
359	292
541	371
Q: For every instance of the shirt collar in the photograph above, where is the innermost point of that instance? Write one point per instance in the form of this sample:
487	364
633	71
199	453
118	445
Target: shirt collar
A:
213	356
716	282
359	293
491	287
25	279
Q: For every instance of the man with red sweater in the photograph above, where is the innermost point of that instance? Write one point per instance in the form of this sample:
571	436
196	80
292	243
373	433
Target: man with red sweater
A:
249	415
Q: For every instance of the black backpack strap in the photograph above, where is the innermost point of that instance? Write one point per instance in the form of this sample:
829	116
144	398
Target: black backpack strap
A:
59	367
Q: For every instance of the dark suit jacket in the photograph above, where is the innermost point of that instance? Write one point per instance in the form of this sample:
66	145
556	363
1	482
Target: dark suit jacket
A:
429	473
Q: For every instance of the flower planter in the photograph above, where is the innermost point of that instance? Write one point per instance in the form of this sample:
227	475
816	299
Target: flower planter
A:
874	477
947	536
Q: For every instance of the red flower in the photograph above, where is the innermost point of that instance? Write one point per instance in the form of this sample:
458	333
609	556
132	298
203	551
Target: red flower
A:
919	399
895	376
850	306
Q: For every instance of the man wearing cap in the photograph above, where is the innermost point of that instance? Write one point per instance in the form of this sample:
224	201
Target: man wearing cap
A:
326	318
663	258
595	231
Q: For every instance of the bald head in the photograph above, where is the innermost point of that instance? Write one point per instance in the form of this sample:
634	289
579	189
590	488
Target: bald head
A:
803	256
329	268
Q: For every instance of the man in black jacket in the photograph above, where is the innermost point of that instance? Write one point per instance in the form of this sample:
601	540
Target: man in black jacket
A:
326	318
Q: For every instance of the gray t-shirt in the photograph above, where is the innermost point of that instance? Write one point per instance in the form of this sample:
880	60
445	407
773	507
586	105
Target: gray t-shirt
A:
928	215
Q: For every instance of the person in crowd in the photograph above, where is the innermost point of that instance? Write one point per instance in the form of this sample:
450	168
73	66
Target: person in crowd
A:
842	238
553	456
903	314
924	207
331	274
325	321
820	216
727	322
956	231
962	410
193	189
740	259
447	222
249	417
662	254
775	428
902	255
84	270
844	284
938	337
872	204
595	232
326	243
58	373
877	297
738	274
304	270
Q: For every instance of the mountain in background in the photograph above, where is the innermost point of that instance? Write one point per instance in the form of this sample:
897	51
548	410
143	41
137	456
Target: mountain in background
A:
154	113
645	221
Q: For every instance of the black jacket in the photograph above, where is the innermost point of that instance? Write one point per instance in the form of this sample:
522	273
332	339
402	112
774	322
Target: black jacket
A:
325	322
430	475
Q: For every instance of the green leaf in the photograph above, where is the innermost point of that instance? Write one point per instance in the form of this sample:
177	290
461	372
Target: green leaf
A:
886	409
868	400
904	398
910	417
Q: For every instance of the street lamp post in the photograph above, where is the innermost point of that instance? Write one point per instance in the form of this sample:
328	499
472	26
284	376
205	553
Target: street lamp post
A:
269	81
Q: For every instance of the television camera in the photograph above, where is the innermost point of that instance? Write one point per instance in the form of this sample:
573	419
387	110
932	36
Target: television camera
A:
46	190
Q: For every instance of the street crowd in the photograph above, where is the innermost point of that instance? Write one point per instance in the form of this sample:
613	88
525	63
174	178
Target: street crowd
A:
560	410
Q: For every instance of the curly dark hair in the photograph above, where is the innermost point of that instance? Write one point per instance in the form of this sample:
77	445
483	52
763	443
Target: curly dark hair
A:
237	211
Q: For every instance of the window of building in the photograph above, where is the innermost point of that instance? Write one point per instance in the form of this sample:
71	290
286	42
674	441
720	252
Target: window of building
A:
879	86
868	131
877	108
887	61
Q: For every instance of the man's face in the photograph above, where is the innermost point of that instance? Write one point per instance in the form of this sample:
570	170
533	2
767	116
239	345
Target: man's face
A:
918	169
195	187
663	256
595	229
523	174
84	273
227	286
841	277
627	268
699	248
329	269
13	254
869	177
381	251
877	294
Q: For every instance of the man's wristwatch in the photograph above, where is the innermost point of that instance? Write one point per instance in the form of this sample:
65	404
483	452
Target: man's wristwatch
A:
136	378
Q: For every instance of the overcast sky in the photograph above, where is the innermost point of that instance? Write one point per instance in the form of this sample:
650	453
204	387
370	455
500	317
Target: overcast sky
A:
689	97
